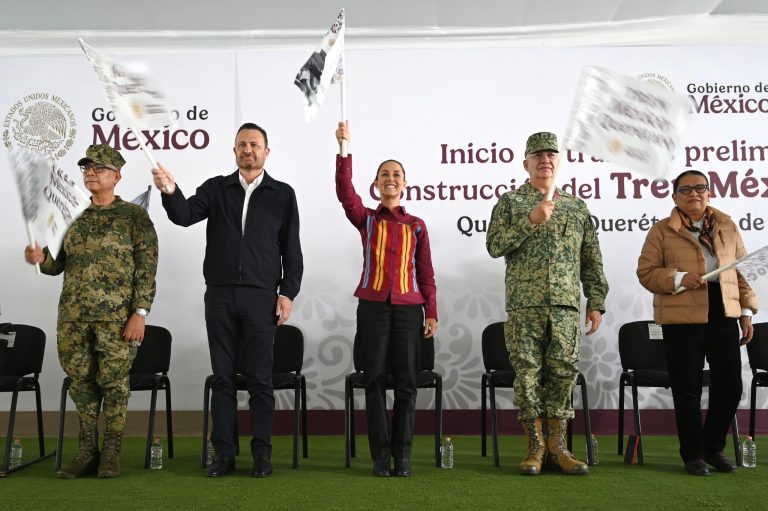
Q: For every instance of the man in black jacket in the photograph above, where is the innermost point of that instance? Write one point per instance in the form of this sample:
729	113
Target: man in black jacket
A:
253	267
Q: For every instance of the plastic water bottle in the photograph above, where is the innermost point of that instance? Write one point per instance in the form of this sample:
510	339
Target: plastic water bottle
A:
16	452
595	456
156	455
209	453
446	453
749	453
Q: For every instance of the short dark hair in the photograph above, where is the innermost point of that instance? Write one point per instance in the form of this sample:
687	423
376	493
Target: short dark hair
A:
686	173
253	126
389	161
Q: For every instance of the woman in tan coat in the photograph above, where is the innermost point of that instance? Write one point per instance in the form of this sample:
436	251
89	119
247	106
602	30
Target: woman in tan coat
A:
701	322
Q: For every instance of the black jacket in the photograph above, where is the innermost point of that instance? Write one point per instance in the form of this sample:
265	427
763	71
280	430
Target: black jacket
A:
267	255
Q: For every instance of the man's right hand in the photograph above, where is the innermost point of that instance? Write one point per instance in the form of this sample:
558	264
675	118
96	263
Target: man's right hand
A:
163	179
33	254
542	212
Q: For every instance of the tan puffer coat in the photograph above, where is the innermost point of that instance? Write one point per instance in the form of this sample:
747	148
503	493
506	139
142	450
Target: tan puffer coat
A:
670	248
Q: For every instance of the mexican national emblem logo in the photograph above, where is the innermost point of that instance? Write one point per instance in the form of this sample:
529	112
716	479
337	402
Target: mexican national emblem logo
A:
41	122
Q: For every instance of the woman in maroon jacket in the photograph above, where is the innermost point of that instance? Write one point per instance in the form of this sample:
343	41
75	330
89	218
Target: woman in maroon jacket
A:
396	292
701	322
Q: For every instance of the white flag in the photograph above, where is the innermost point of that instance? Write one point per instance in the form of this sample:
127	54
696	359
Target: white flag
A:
627	121
754	268
135	101
50	201
324	67
143	199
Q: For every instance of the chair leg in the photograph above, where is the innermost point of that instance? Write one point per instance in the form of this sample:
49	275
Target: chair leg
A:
348	425
494	424
62	414
620	427
9	435
587	420
438	418
169	417
752	401
39	405
151	427
206	408
483	418
735	435
296	422
305	445
636	409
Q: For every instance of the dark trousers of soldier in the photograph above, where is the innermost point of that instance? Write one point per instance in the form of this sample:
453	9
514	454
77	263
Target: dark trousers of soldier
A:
390	336
687	346
241	325
97	358
543	344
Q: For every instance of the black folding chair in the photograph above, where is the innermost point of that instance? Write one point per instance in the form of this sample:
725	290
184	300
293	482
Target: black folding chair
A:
426	378
21	360
757	350
149	372
287	362
644	364
499	373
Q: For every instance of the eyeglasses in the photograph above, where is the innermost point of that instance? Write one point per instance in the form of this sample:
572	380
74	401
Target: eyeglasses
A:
686	190
540	156
98	169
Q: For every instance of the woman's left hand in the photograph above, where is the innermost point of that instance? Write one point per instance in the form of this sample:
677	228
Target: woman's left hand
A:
747	330
430	327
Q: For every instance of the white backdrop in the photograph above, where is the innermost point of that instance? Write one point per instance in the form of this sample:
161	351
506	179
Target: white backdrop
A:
406	104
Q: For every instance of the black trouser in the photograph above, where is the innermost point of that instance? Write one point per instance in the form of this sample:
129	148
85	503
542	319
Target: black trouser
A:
687	346
241	326
390	337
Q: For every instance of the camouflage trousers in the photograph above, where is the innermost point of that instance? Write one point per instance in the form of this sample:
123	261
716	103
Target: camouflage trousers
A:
97	358
543	344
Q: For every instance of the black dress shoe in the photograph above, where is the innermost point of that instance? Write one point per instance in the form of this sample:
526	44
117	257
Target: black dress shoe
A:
381	468
262	467
720	462
222	466
402	467
697	467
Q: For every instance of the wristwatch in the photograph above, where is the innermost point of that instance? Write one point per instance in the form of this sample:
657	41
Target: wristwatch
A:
142	312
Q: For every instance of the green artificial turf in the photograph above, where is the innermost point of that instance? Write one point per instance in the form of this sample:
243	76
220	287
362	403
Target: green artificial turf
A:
322	482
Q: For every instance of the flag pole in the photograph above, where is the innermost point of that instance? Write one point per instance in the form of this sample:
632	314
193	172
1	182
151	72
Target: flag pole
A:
32	243
344	113
551	191
147	153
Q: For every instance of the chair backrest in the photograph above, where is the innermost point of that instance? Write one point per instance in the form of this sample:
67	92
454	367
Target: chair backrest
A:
495	354
26	355
426	354
154	354
288	350
638	351
757	348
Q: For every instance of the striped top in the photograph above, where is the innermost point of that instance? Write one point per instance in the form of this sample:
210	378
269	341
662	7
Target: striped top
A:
397	261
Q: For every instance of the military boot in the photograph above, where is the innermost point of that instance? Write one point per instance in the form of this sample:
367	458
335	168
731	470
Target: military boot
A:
559	455
110	454
531	465
87	460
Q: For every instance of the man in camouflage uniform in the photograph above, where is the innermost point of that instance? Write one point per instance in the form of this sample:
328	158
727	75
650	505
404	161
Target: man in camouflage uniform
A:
549	247
109	260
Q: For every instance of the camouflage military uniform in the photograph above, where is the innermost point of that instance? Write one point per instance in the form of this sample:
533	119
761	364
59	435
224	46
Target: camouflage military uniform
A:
545	265
109	260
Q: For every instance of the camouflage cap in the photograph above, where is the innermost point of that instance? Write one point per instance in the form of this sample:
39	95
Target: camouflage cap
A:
103	154
543	141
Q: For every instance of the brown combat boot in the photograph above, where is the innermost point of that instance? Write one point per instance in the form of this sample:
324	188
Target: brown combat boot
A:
531	465
87	460
559	455
110	454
